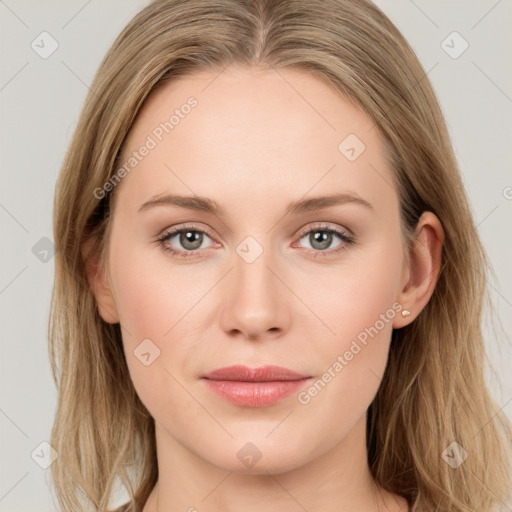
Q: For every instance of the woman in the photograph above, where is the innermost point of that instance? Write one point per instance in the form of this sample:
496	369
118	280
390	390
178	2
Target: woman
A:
267	272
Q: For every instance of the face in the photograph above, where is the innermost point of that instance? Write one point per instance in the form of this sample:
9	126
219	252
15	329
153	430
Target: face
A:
257	281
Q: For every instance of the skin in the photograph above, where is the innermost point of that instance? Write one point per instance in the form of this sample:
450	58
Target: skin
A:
256	141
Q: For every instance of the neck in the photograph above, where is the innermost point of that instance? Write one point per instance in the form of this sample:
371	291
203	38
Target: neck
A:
339	480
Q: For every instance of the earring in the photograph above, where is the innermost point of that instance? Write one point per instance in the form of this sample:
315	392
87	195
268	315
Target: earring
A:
405	313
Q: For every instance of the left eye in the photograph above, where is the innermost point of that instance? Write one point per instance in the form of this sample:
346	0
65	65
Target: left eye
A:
321	239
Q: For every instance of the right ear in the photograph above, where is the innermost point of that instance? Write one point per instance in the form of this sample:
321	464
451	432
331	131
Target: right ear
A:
98	281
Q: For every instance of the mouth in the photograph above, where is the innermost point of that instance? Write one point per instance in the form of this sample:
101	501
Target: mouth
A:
254	387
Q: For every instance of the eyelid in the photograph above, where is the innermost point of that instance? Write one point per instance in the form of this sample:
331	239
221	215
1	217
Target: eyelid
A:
182	227
304	230
318	225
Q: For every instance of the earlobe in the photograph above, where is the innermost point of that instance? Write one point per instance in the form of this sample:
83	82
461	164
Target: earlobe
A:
423	268
98	281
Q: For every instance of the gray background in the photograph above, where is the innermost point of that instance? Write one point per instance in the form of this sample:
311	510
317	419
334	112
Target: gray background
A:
41	100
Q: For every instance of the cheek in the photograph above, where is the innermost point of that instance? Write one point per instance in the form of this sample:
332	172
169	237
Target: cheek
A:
356	303
159	301
152	294
352	297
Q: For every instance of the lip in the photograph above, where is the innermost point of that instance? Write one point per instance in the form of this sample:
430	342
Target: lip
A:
254	387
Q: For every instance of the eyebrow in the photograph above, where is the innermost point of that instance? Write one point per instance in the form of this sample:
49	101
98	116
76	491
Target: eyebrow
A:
210	206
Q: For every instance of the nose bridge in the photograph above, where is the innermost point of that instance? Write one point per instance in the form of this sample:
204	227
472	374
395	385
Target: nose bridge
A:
251	267
255	283
255	302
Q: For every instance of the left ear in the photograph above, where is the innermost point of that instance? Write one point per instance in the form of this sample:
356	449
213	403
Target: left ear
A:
422	269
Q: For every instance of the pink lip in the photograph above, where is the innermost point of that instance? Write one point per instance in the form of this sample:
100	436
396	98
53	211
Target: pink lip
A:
254	387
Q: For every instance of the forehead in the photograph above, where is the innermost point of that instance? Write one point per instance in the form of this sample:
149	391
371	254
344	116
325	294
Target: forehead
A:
252	132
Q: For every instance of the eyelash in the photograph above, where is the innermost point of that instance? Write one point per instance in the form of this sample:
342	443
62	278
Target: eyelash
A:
344	237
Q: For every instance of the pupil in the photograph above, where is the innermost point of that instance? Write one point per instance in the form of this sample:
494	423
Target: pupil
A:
189	239
322	239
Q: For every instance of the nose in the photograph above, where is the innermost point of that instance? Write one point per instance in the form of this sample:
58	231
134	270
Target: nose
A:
256	304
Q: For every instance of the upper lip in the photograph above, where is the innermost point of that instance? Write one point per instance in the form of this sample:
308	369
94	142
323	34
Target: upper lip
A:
259	374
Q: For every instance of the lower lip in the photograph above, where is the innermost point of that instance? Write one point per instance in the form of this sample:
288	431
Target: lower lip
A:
255	394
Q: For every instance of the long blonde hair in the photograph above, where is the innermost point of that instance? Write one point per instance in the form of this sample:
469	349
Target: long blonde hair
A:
433	392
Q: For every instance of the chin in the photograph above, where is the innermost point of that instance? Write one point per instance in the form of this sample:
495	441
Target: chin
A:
259	456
